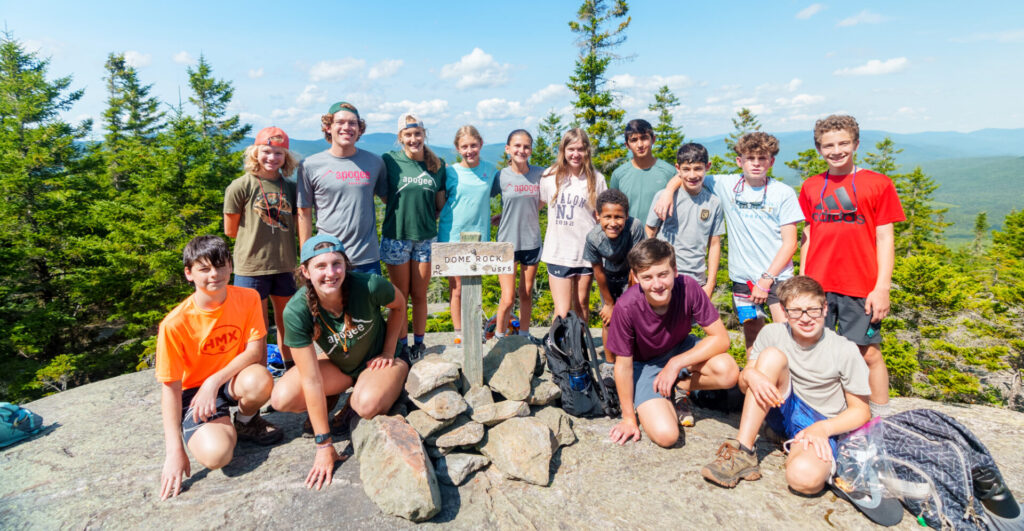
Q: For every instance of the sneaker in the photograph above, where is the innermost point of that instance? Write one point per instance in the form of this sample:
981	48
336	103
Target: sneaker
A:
258	431
731	465
340	424
416	352
684	409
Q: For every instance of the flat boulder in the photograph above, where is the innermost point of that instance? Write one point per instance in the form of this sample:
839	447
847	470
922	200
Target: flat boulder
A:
442	403
543	392
478	396
521	448
428	374
466	434
509	366
453	469
498	412
424	424
559	422
394	469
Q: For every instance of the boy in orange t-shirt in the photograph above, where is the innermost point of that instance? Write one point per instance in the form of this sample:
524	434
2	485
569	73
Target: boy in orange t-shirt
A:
209	356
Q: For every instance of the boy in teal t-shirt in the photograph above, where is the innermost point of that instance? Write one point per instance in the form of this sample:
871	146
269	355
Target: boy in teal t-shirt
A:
644	175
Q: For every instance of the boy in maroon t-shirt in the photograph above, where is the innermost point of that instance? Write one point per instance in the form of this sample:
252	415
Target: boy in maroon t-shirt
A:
655	354
849	244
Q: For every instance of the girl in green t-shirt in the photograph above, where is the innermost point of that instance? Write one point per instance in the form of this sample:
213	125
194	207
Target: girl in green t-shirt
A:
416	184
340	310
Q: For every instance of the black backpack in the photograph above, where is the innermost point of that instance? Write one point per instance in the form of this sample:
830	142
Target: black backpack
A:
572	360
946	476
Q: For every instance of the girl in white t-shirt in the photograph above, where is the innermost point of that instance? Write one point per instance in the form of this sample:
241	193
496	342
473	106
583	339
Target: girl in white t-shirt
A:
570	188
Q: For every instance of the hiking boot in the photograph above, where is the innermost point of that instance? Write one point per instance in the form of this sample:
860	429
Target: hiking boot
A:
416	352
731	465
258	431
340	424
307	426
684	409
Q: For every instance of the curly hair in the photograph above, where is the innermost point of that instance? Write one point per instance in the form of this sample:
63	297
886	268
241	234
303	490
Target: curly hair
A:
328	119
757	142
836	122
252	164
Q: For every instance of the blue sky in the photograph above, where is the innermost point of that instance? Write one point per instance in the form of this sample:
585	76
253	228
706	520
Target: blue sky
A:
897	66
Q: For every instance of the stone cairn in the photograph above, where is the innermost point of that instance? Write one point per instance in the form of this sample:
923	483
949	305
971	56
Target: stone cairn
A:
442	429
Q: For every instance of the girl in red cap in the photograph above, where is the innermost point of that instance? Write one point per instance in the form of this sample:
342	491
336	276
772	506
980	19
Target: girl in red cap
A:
258	213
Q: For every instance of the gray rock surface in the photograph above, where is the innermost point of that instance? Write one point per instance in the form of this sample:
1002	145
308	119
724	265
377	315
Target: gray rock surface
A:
543	392
428	374
453	469
509	365
559	422
521	448
477	396
492	414
442	403
424	424
396	473
99	463
466	434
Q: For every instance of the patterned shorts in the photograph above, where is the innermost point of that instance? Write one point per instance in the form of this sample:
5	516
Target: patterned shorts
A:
398	252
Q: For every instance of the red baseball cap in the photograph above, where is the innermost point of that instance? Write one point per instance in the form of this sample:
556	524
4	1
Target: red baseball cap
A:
271	136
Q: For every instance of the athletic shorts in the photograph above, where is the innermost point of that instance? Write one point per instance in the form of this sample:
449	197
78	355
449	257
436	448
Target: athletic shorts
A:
401	354
224	402
644	372
277	284
372	267
527	257
558	271
793	416
846	316
755	311
398	252
617	285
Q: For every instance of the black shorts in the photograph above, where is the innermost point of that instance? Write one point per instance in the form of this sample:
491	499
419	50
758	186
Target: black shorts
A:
739	288
401	353
277	284
559	271
527	257
224	402
846	316
617	285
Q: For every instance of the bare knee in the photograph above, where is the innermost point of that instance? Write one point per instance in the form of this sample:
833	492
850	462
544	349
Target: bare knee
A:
664	434
873	357
806	474
367	407
213	450
723	369
254	386
287	398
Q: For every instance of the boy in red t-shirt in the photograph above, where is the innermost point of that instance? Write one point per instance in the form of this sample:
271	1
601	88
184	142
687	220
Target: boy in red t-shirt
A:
210	355
849	244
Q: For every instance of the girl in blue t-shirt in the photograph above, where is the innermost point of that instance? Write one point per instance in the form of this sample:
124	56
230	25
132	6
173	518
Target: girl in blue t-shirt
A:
519	187
468	205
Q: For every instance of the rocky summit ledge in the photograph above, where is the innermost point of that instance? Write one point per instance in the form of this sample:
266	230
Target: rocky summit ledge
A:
99	465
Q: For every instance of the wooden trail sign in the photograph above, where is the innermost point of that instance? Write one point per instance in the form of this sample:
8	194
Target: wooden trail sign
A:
470	259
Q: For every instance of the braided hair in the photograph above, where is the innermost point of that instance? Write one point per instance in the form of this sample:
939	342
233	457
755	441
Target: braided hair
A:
313	300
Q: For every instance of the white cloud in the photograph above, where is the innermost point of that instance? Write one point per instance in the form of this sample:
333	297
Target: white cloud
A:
800	100
548	93
809	11
651	83
137	59
183	58
1003	37
425	108
335	70
477	69
249	117
794	84
256	73
385	68
864	17
310	95
378	117
498	109
875	67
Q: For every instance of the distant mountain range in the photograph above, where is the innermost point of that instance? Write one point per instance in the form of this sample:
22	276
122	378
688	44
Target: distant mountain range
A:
977	171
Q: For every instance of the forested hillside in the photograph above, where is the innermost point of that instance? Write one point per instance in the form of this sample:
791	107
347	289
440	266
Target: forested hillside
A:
91	232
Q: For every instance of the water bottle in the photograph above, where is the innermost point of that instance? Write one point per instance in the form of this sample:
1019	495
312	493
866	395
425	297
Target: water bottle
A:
579	378
515	325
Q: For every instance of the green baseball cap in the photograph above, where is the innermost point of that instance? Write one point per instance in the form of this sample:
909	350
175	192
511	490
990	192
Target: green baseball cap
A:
338	107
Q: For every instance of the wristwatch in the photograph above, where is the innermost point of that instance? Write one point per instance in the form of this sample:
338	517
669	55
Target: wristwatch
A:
322	438
765	275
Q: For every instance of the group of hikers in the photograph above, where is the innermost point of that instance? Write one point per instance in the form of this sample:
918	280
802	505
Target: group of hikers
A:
650	237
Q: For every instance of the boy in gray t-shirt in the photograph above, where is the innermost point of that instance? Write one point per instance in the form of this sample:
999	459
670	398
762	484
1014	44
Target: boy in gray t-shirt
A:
808	383
339	184
607	247
696	223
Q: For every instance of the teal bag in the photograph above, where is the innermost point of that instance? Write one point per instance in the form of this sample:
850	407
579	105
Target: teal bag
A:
17	423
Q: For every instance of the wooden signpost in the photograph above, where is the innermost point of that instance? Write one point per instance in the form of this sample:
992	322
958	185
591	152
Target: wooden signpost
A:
471	259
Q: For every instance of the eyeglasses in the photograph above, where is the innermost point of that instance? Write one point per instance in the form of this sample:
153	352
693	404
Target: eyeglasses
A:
738	189
839	202
797	313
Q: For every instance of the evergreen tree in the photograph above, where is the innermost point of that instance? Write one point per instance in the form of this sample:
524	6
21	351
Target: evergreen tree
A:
924	227
549	135
669	137
981	227
595	106
48	187
131	122
884	161
1007	254
808	164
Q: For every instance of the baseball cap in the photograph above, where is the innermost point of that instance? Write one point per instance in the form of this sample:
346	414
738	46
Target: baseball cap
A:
405	123
338	107
308	250
271	136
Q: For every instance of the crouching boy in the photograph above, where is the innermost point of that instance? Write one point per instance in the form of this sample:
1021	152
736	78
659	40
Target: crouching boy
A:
656	355
809	383
209	356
